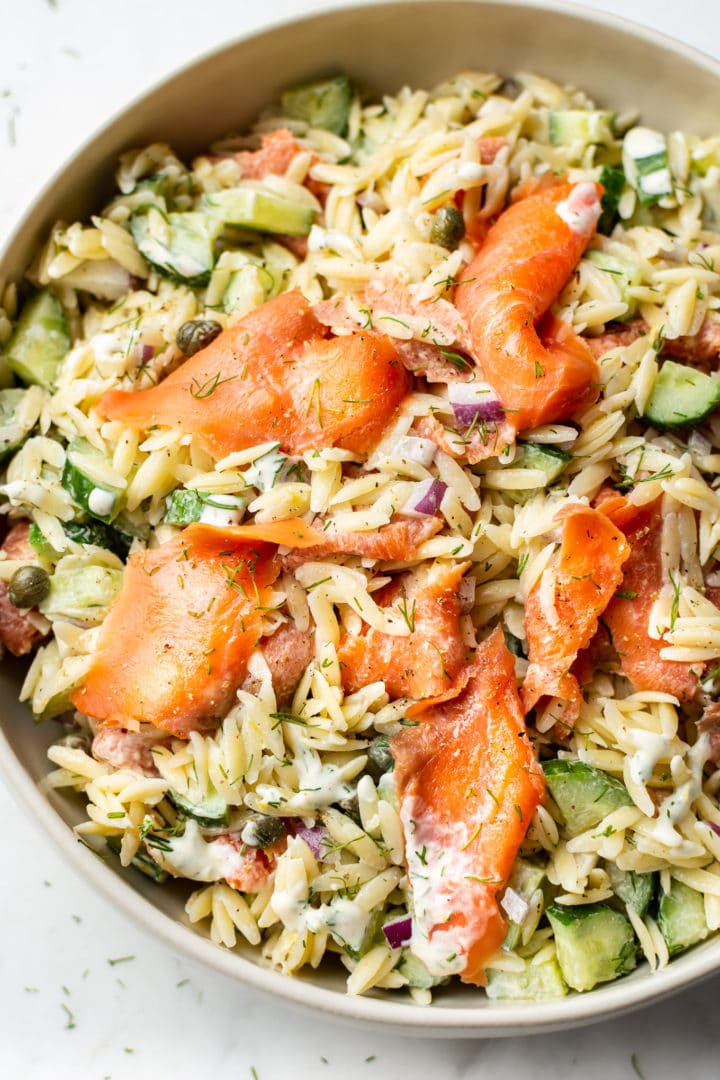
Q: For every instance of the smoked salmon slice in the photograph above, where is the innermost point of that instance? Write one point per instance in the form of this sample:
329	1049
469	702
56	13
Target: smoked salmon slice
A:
468	784
276	152
18	633
174	646
563	608
397	541
274	375
700	348
424	663
539	368
628	614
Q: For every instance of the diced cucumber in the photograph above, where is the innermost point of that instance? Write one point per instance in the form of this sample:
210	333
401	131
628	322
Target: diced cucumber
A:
513	643
38	541
613	182
321	104
260	210
586	126
635	890
94	532
14	426
209	812
645	160
525	879
594	944
416	973
386	789
40	342
705	156
56	705
82	532
83	593
370	937
536	982
183	506
584	795
681	917
625	274
181	246
99	500
681	396
550	459
141	861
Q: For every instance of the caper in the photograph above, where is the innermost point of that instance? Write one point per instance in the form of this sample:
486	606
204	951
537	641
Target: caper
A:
29	586
195	334
448	227
379	758
262	831
351	807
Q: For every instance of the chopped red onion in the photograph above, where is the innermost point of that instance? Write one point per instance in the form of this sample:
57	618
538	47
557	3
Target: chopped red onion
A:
474	402
398	932
514	906
146	353
416	449
313	837
425	500
715	828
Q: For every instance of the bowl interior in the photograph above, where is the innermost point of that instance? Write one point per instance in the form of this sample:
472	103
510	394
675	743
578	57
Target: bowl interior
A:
382	47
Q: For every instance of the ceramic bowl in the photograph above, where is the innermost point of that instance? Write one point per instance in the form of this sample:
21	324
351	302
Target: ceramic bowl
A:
381	47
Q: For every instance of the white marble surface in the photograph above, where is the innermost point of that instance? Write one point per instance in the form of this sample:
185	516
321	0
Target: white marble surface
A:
83	994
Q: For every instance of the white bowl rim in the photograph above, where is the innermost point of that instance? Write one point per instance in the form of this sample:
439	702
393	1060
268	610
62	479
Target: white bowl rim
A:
503	1018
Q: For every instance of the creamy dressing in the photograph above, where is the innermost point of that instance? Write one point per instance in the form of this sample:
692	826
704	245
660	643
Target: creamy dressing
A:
191	856
581	210
343	919
101	502
688	776
265	469
223	510
318	786
651	748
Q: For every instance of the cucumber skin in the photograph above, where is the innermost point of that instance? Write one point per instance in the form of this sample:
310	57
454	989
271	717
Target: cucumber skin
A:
141	861
670	386
323	104
538	456
613	182
602	793
210	812
163	257
79	487
594	944
681	918
88	532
